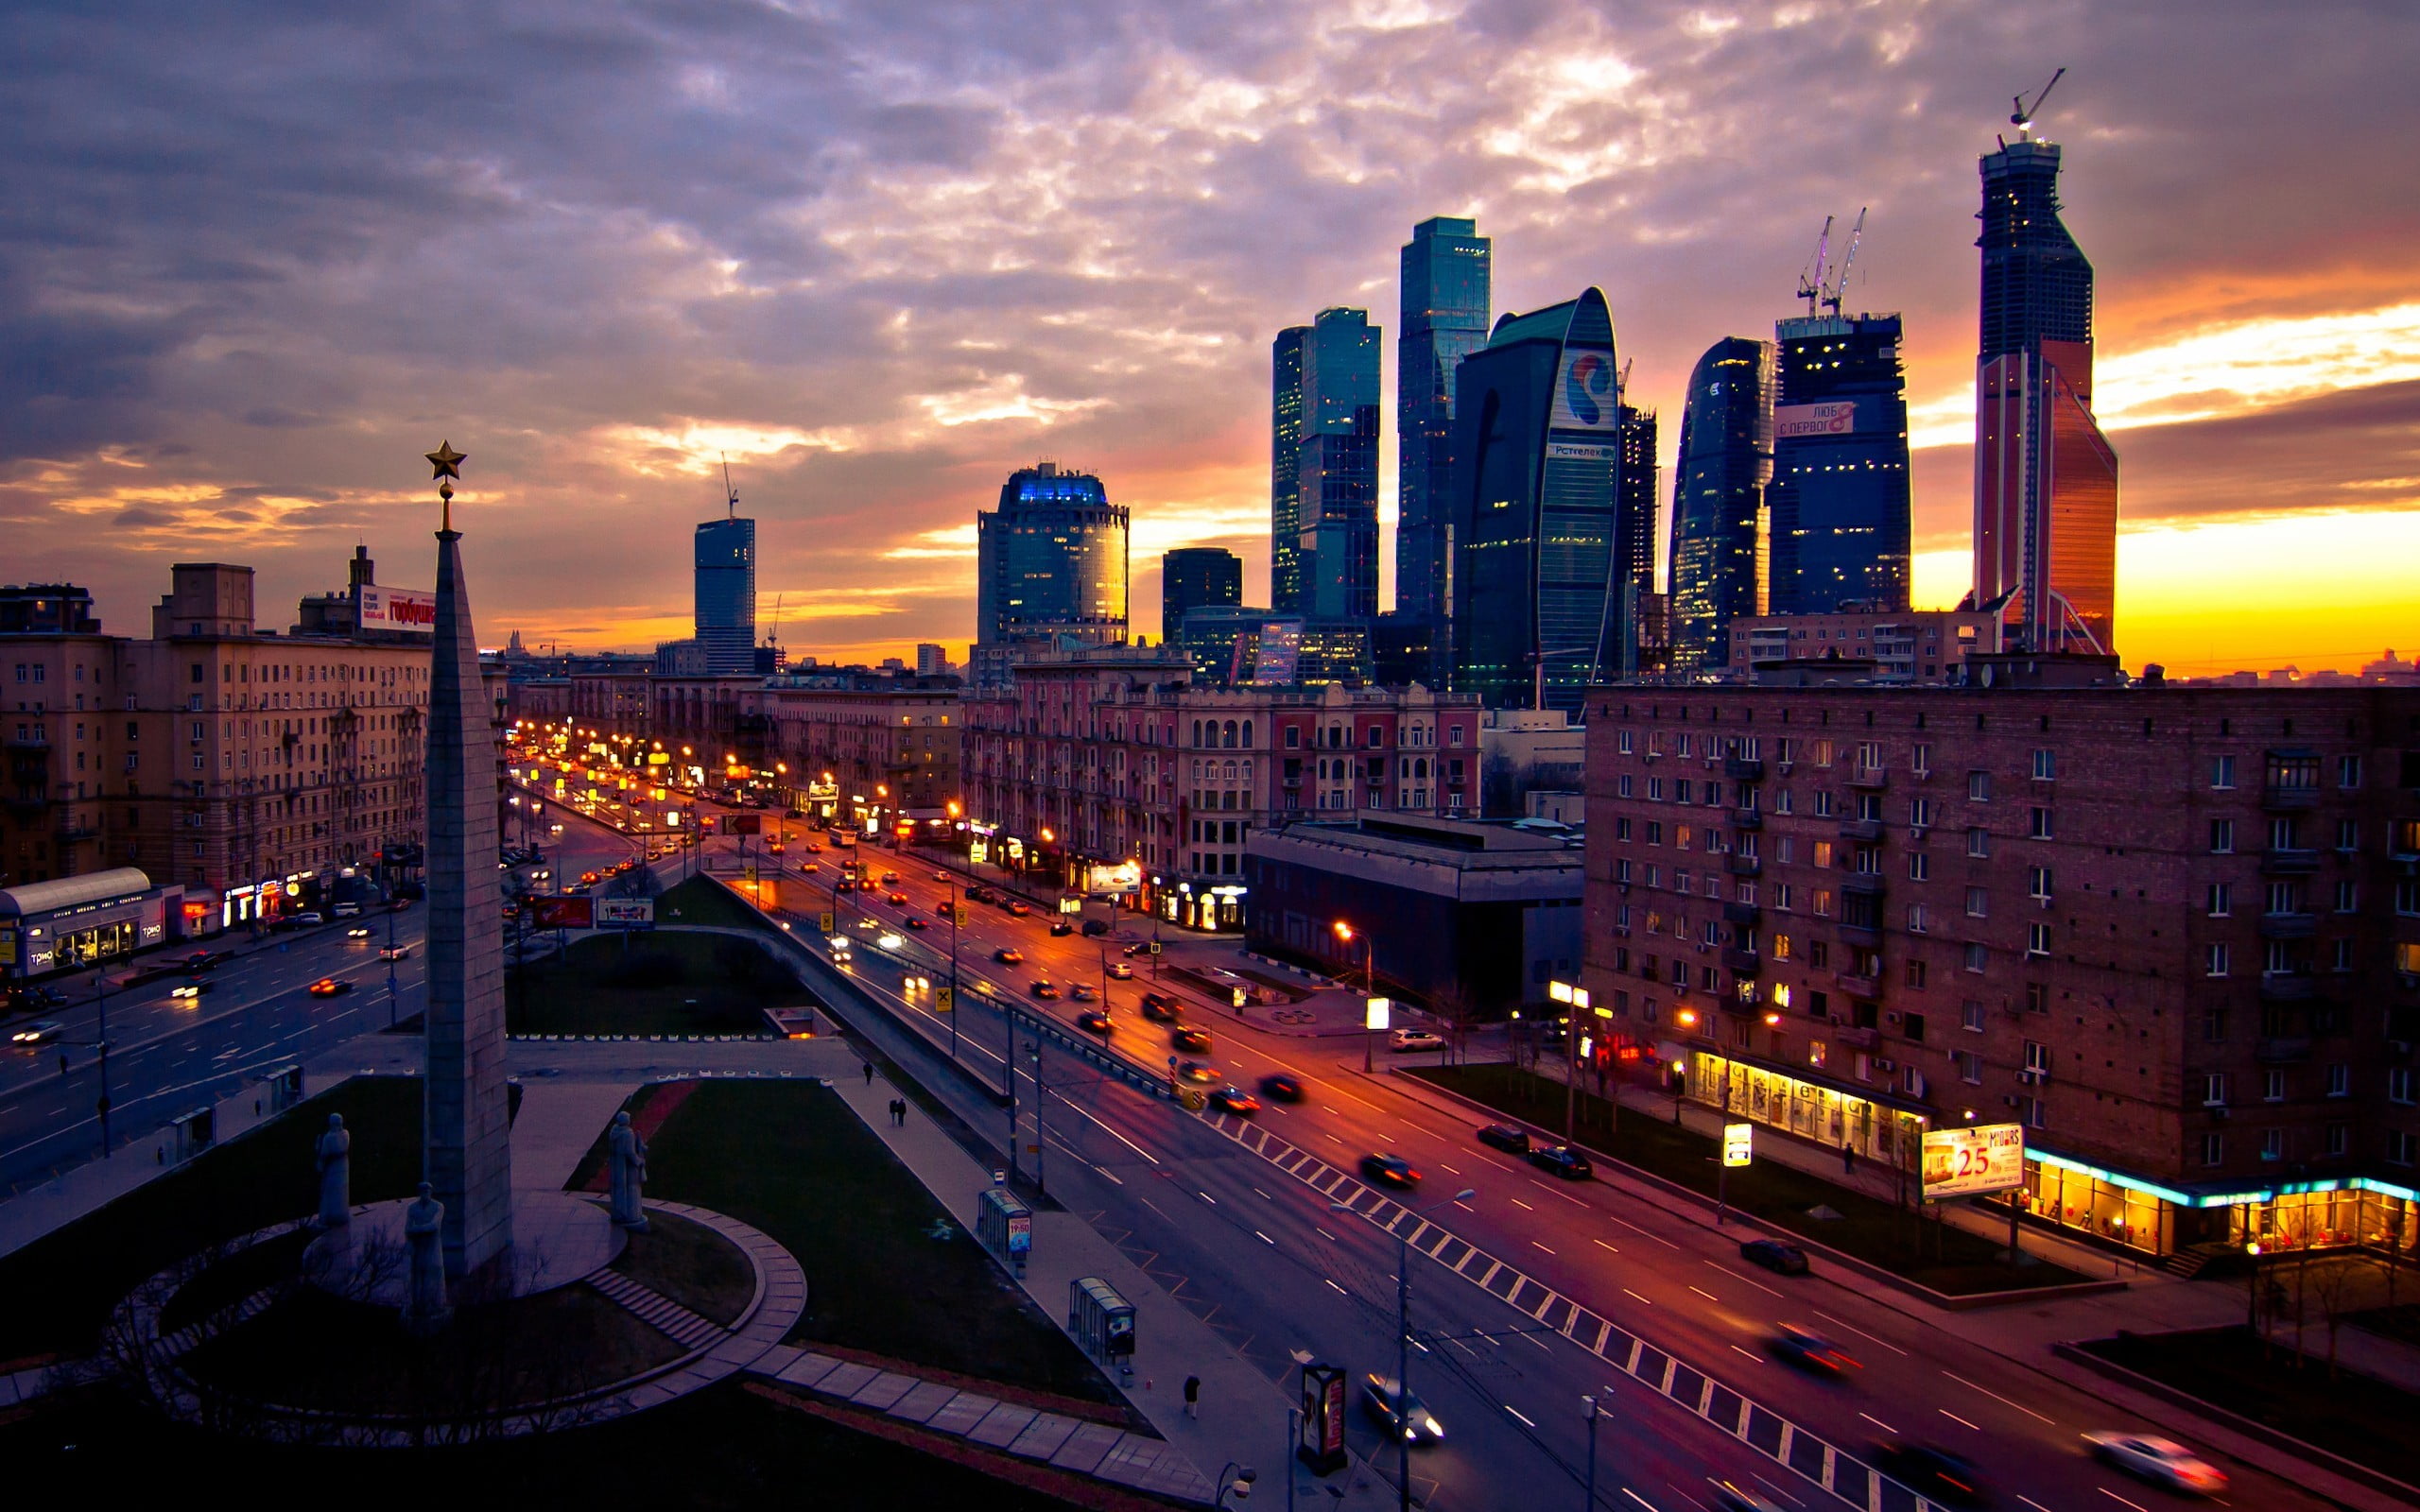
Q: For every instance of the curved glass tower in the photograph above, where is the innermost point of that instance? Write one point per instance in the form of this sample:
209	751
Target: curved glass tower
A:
1719	526
1536	446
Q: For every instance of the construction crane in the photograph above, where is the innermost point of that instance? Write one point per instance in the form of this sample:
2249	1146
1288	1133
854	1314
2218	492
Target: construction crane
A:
1841	278
1810	277
2022	118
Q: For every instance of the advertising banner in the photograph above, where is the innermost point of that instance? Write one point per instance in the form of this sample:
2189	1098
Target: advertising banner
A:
624	913
1836	416
1961	1162
1585	397
398	609
562	913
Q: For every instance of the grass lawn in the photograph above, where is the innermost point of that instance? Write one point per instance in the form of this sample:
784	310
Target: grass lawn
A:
703	901
1931	1254
790	1158
665	982
67	1280
2365	1420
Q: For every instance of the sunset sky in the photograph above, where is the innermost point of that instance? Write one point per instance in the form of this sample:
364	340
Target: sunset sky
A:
256	258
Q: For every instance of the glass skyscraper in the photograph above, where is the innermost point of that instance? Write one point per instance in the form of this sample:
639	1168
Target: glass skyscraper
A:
725	562
1195	578
1839	498
1336	477
1051	560
1537	445
1719	526
1286	468
2045	479
1446	296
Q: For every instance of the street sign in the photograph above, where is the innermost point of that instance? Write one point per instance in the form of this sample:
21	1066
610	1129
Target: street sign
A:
1737	1141
1963	1161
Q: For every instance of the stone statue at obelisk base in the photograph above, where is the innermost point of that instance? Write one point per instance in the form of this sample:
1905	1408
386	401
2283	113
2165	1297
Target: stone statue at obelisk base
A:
336	1174
424	1308
627	1159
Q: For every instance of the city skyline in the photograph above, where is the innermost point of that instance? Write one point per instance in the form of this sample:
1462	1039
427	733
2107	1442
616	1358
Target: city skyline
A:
615	334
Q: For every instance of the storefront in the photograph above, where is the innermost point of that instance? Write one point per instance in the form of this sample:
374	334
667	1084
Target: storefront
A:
76	922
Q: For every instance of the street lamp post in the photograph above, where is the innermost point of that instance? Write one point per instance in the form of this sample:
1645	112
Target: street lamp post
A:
1403	1337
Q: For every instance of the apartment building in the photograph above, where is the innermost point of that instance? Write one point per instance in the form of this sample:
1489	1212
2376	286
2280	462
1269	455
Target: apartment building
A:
2175	933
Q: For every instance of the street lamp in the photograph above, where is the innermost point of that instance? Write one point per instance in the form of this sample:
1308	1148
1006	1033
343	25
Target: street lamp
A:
1403	1336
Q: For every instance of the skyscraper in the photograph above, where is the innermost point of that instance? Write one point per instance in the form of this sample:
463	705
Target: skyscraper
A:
1285	467
1335	488
725	565
1195	578
2045	479
1447	298
1051	560
1536	442
1719	524
1839	497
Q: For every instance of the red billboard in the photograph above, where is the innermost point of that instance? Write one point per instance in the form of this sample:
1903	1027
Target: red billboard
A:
564	913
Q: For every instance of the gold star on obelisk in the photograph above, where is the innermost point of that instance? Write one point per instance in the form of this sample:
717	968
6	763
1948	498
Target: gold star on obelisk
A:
448	464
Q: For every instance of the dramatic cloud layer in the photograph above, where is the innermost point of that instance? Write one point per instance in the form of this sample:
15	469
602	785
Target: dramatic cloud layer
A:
256	257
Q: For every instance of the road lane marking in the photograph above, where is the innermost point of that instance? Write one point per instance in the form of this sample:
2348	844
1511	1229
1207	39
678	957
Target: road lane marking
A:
1877	1422
1860	1332
1955	1418
1996	1397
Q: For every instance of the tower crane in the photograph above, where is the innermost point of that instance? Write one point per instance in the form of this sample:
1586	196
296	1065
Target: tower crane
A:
1810	279
1840	278
2022	118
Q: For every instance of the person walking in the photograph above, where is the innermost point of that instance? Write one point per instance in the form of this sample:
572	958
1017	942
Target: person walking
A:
1193	1397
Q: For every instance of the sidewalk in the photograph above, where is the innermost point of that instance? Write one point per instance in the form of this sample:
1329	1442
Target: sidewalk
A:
1243	1416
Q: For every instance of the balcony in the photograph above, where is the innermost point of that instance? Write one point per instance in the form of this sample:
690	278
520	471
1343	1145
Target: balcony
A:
2281	863
2282	1050
1743	963
1744	769
2288	799
1858	987
1871	779
2288	926
1747	820
1748	915
1746	867
1868	830
2282	987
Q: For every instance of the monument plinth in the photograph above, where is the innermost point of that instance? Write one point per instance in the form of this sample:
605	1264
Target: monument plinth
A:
469	1155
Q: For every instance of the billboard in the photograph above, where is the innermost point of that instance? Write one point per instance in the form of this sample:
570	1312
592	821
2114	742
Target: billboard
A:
624	913
562	913
1963	1161
397	609
1585	397
1122	879
1837	417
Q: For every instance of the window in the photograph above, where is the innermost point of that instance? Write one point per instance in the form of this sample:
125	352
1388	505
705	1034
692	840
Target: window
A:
2215	960
1979	842
2037	939
1979	787
2223	772
2037	825
2340	1081
1919	866
2222	837
2221	901
2214	1088
2214	1149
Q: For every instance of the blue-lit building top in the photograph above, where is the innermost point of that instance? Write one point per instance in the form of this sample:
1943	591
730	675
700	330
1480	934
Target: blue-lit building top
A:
1051	560
1726	460
1839	497
1447	297
1337	471
1536	443
724	563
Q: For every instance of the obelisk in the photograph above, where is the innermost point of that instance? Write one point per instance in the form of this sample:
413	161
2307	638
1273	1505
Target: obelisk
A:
468	1156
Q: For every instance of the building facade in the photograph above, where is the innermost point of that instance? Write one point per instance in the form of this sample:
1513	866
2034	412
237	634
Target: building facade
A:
1195	577
1050	562
1719	526
1447	298
1537	444
1917	646
1336	492
2172	933
1838	499
725	581
2045	479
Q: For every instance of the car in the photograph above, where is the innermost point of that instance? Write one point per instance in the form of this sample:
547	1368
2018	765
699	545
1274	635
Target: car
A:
1234	1100
1009	956
890	879
1082	992
1095	928
40	1032
1810	1350
1399	1413
2160	1461
187	991
1094	1022
1060	929
1506	1136
1775	1256
1199	1072
357	934
1934	1473
1019	908
1414	1040
1044	990
1160	1008
1387	1169
1120	970
1189	1038
1282	1087
395	952
309	916
330	986
1563	1160
346	911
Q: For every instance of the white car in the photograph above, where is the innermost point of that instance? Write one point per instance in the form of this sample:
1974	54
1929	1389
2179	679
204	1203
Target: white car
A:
1414	1040
2160	1461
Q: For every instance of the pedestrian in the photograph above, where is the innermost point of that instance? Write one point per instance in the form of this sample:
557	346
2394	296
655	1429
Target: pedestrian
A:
1193	1397
1848	1159
868	1068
